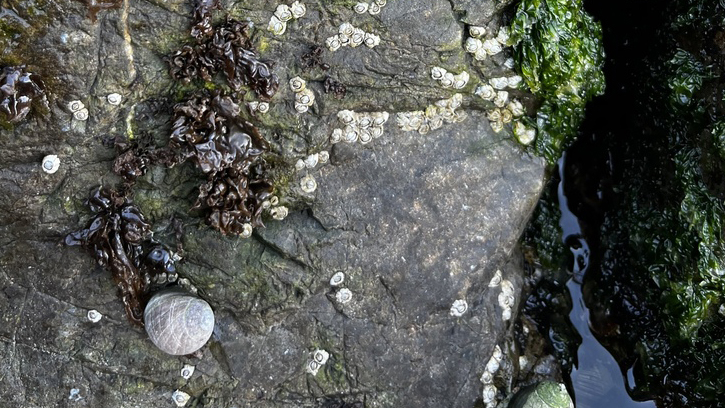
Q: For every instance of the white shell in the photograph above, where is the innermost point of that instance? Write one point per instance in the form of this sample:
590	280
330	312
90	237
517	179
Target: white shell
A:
297	84
514	81
364	121
476	31
376	131
506	116
480	54
499	83
180	398
81	114
496	280
357	37
381	3
312	367
320	356
279	213
506	314
459	307
337	279
50	164
305	97
274	200
489	394
379	118
298	9
374	9
178	323
324	156
497	353
301	107
516	108
524	134
75	106
346	29
493	365
350	134
494	115
492	47
496	126
336	135
276	26
246	230
502	97
263	107
312	160
283	13
300	164
460	80
447	80
361	8
486	92
509	63
346	117
333	43
187	371
114	98
364	136
308	184
473	44
343	295
437	73
503	35
94	316
371	40
487	377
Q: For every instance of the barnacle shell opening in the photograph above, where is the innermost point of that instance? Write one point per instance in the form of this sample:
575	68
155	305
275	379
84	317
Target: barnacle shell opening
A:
50	164
180	398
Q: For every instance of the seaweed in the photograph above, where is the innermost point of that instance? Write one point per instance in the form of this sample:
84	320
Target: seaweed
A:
313	59
227	50
208	131
337	88
558	49
18	89
202	18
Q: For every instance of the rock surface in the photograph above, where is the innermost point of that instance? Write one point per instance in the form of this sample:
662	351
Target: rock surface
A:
415	222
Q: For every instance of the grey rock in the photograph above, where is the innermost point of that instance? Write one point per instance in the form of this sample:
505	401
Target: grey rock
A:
415	222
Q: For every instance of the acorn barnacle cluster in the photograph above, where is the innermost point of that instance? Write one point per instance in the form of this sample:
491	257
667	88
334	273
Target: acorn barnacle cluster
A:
18	88
506	111
490	390
227	49
373	7
480	47
434	116
506	299
304	97
284	13
318	359
209	132
448	79
360	127
350	36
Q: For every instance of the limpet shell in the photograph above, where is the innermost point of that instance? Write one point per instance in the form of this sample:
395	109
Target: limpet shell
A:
178	323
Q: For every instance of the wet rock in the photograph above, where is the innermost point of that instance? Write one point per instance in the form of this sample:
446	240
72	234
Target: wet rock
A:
414	222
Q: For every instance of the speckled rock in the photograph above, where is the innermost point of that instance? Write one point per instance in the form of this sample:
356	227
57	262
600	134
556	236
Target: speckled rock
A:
414	221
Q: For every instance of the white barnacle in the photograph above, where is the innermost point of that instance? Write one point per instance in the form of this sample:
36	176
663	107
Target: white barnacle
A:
494	115
374	9
458	308
361	8
496	280
344	40
506	116
336	135
320	356
187	371
246	232
301	107
507	287
431	111
459	116
371	40
509	63
497	353
516	108
276	26
506	300
503	35
480	54
381	3
476	31
487	377
312	160
297	84
496	126
308	184
486	92
436	122
346	117
489	394
437	73
350	134
312	367
337	279
81	114
346	29
493	365
283	13
364	121
357	37
364	136
343	296
502	97
424	128
180	398
333	43
379	118
376	131
499	82
506	314
524	134
324	156
263	107
114	98
460	80
416	119
75	106
455	101
472	45
50	163
279	213
492	47
447	80
298	9
253	106
514	81
402	119
94	316
274	200
300	165
448	115
305	97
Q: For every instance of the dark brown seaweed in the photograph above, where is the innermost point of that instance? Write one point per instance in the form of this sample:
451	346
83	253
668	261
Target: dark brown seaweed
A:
18	88
202	18
338	89
314	59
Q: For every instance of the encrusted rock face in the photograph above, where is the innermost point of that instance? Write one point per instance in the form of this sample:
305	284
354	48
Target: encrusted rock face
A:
414	222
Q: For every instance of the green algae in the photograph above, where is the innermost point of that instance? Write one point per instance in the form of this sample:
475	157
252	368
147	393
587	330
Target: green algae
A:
558	49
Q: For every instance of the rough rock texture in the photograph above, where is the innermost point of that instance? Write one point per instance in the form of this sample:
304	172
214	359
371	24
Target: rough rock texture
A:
415	222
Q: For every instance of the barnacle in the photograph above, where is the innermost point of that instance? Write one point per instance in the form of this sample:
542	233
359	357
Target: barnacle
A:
460	80
18	88
492	47
447	80
297	84
230	50
472	45
499	82
437	73
94	316
374	9
276	26
458	308
524	134
114	99
336	136
180	398
503	35
208	131
337	279
357	37
486	92
361	8
116	237
50	164
346	29
343	296
506	116
516	108
501	99
308	184
298	9
435	115
283	13
514	81
497	126
333	43
476	31
279	213
371	40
